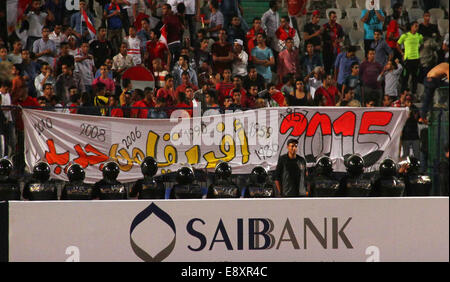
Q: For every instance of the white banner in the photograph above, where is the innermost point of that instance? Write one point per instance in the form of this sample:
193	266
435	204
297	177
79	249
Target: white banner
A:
343	229
243	139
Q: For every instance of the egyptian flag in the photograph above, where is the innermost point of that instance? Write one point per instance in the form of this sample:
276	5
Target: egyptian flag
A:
163	37
90	26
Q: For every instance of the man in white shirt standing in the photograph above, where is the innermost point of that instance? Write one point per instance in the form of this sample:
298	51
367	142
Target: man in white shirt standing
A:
240	59
133	45
57	37
84	65
44	49
36	21
5	87
270	21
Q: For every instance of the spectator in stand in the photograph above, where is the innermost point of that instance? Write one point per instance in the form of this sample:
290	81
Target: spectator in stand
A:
263	58
202	54
249	100
227	105
44	77
17	82
215	21
112	13
252	33
310	60
288	60
44	49
64	58
401	101
127	86
10	135
240	59
431	46
276	98
73	45
312	32
387	101
185	82
127	104
230	9
158	111
270	21
393	33
369	71
100	48
353	81
237	85
383	52
410	134
4	54
133	46
184	104
87	106
391	76
348	99
370	102
159	73
373	19
235	30
78	23
142	106
174	29
30	70
333	35
223	88
66	80
427	29
296	10
168	93
109	73
314	82
101	99
103	78
57	37
157	49
288	84
48	92
114	109
222	53
284	32
300	97
57	9
342	66
36	18
254	77
183	66
121	61
237	101
401	17
75	103
411	57
15	57
84	65
210	100
329	91
144	34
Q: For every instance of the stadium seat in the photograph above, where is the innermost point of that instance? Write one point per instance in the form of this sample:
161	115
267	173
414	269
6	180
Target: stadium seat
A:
361	4
385	4
415	14
338	12
353	13
443	26
436	14
342	4
444	4
408	4
389	12
347	24
323	21
360	55
356	37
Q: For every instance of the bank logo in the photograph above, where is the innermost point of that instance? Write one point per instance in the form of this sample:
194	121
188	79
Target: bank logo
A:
143	215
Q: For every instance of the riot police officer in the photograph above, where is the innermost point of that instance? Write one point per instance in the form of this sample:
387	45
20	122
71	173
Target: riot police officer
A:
259	185
353	184
9	188
185	188
416	184
223	187
387	184
324	184
76	189
148	187
109	188
40	188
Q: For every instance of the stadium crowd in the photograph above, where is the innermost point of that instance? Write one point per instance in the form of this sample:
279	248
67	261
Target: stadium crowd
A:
204	51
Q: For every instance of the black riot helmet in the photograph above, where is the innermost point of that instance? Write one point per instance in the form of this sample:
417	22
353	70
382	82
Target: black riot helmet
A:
149	166
185	176
388	168
5	168
110	171
355	165
324	166
414	165
258	175
41	171
75	173
223	170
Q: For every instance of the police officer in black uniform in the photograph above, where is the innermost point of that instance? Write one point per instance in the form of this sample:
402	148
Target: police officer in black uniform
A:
185	188
76	189
324	184
148	187
259	185
40	188
387	184
416	183
353	184
223	187
9	187
109	188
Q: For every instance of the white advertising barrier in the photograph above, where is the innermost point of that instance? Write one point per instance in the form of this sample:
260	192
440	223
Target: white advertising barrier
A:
244	139
356	229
